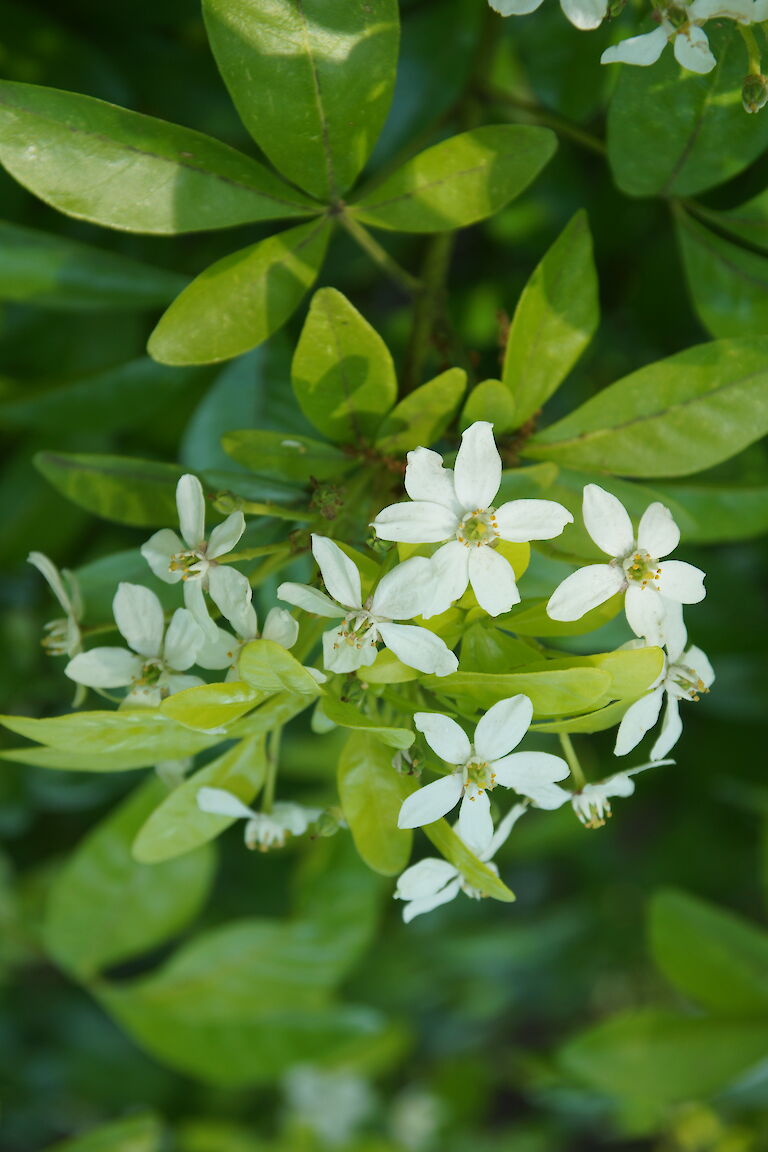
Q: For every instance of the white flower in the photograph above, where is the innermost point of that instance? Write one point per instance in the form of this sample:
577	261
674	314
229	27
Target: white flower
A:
196	564
264	830
480	766
457	506
62	636
583	14
330	1103
686	676
235	605
654	590
398	596
592	802
433	881
154	667
689	40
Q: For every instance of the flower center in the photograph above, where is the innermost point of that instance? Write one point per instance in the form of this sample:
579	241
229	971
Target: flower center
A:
56	640
691	684
477	528
358	629
478	772
592	810
642	569
189	564
151	673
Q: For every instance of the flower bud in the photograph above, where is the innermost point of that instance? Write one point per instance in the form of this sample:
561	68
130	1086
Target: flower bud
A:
754	93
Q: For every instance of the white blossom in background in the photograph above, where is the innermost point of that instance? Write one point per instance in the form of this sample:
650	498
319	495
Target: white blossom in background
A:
264	830
194	559
332	1104
62	636
398	596
455	508
481	766
592	802
433	881
153	665
583	14
686	676
235	605
654	587
415	1118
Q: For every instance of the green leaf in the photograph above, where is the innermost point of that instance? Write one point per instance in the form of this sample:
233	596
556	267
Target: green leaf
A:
387	669
674	133
105	908
342	372
145	735
178	826
632	670
490	400
709	954
555	319
749	221
350	716
104	164
297	458
474	871
458	181
371	793
328	68
270	668
136	1134
711	513
242	299
526	483
485	648
552	693
53	272
422	417
531	619
211	706
598	721
671	418
137	492
59	759
728	284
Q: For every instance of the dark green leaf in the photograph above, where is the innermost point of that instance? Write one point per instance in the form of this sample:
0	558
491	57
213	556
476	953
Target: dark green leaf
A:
286	455
728	284
137	492
136	1134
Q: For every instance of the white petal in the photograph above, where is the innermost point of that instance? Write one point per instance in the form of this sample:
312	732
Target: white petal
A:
281	628
424	879
183	640
340	575
416	522
427	479
450	577
584	590
532	774
643	50
173	682
671	730
585	14
400	594
637	720
444	736
139	617
699	663
190	503
503	829
418	907
493	580
194	601
231	592
225	535
105	668
503	727
219	802
682	582
607	521
515	7
646	612
692	50
522	520
419	648
477	471
475	824
342	655
310	599
50	572
431	802
219	653
658	535
158	550
674	634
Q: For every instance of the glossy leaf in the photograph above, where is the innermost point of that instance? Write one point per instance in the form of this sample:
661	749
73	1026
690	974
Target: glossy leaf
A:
141	733
350	716
297	458
59	759
530	618
242	299
269	668
421	417
113	167
210	707
312	81
490	400
372	791
141	493
475	872
458	181
598	721
728	284
555	693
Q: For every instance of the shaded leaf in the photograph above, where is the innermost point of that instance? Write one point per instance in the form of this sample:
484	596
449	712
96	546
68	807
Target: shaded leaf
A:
371	793
137	492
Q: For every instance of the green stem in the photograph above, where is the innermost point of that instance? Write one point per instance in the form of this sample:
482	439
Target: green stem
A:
548	119
569	752
273	757
272	564
754	64
429	308
252	553
362	237
276	511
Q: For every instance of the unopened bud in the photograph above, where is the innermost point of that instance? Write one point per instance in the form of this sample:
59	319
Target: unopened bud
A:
615	8
754	93
329	822
226	502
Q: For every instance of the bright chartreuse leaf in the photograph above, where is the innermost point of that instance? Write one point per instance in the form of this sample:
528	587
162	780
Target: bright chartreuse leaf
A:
105	908
490	400
270	668
476	873
142	736
552	693
292	457
421	417
598	721
372	791
710	954
177	825
61	760
458	181
350	716
242	299
671	418
135	1134
555	319
53	272
312	81
209	707
672	132
118	168
727	283
342	373
141	493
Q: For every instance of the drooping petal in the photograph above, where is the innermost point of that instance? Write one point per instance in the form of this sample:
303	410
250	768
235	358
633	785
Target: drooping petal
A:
219	802
416	522
450	577
419	648
698	662
190	503
522	520
427	479
281	628
475	824
607	521
444	736
671	729
645	610
400	594
105	668
431	802
533	774
657	534
183	640
219	653
585	14
225	536
515	7
424	879
682	582
692	50
344	653
231	592
427	903
503	829
502	727
493	580
637	720
674	631
477	471
158	550
642	50
194	601
584	590
340	575
310	599
51	574
139	617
